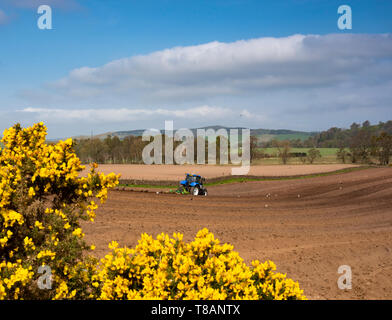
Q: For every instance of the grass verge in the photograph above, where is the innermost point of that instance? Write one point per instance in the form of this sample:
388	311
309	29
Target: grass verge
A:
228	179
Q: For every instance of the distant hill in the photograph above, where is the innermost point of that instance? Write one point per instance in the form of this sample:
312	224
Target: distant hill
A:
263	135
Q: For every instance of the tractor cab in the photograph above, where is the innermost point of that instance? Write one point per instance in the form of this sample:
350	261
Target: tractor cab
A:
192	179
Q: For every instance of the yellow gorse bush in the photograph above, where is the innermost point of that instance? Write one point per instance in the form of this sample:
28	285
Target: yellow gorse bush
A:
169	268
43	198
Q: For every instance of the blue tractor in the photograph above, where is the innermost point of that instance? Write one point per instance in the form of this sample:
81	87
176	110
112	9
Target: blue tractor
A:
193	184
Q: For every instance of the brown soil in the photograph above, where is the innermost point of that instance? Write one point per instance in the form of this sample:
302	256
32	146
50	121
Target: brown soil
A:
308	227
177	172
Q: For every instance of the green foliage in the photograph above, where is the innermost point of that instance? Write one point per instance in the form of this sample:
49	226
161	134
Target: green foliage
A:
313	154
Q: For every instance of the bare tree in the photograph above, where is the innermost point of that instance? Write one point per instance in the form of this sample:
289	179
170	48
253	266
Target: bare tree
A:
360	147
342	154
283	148
383	144
253	148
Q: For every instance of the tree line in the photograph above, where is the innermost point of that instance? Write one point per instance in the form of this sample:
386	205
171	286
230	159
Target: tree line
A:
338	137
364	143
361	143
112	150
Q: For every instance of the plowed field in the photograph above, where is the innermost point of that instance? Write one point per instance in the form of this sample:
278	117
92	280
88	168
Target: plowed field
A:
177	172
308	227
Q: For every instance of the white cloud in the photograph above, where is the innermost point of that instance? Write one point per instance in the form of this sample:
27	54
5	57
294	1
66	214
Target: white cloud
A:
217	69
306	82
124	114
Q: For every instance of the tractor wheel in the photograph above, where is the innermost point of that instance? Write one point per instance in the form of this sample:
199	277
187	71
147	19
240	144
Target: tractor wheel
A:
195	191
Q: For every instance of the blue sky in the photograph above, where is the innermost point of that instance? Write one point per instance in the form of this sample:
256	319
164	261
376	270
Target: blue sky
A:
121	65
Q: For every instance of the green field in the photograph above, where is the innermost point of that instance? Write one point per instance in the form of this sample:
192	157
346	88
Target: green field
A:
283	136
328	155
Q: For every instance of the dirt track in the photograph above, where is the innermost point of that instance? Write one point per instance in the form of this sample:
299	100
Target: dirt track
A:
308	227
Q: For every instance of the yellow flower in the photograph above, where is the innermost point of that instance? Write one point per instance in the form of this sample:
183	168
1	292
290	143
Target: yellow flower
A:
39	225
77	232
31	192
28	243
46	253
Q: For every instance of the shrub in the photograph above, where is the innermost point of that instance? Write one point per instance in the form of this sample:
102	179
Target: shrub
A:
313	154
42	201
169	268
342	154
283	148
